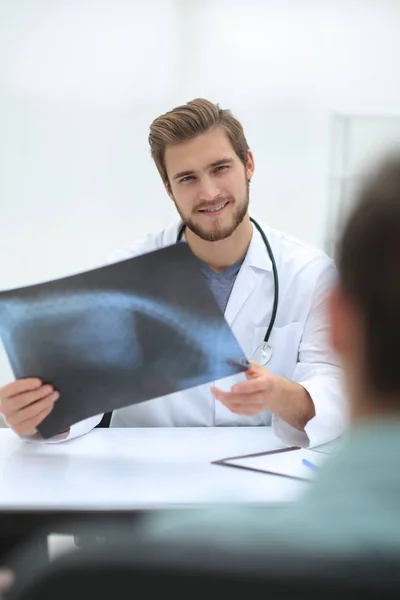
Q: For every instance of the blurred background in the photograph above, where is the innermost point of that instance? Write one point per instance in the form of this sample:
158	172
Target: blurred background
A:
315	83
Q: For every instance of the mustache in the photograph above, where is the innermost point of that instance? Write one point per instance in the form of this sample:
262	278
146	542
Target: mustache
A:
215	202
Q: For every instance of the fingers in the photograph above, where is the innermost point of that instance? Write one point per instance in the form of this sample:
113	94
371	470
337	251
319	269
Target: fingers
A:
256	368
259	380
247	410
256	371
31	411
25	405
24	400
19	387
241	404
252	386
253	397
29	426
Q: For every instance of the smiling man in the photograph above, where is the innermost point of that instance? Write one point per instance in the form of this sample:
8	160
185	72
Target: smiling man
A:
271	288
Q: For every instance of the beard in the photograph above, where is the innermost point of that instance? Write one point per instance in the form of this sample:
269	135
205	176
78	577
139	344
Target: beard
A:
218	233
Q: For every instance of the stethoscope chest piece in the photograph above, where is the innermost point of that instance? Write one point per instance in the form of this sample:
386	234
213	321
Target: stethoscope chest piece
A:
266	354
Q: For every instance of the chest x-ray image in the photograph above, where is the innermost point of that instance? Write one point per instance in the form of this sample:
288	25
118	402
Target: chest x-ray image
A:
118	335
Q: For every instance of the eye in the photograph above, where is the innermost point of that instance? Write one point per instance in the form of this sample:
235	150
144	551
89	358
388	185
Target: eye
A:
221	168
186	179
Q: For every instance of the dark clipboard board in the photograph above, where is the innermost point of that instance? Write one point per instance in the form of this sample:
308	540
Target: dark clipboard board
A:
224	462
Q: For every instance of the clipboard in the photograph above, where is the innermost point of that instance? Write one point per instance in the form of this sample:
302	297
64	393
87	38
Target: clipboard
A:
286	465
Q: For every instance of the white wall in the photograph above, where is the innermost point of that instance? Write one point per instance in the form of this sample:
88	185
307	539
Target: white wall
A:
285	67
81	80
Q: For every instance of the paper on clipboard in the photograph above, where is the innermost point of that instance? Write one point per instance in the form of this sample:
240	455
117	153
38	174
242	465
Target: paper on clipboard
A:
286	462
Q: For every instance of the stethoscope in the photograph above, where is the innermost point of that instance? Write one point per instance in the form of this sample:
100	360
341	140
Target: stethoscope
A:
265	350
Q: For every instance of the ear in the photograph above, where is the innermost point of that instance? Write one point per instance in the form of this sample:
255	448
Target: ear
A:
343	321
249	165
334	308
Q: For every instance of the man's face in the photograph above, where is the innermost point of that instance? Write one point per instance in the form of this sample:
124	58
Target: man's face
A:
209	184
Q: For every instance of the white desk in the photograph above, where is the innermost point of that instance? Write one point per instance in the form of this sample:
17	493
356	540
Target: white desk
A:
134	469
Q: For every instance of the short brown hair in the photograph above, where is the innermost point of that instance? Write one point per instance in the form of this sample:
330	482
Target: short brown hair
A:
368	260
189	120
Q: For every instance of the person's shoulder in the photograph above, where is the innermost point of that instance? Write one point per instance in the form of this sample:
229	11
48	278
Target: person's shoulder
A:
152	241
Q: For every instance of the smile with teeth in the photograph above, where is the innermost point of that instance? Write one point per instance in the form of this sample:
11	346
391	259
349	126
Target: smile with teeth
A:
214	209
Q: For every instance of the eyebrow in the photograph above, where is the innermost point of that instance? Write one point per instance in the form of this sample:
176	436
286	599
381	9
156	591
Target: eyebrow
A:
217	163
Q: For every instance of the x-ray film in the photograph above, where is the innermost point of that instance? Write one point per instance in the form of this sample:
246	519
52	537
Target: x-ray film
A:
118	335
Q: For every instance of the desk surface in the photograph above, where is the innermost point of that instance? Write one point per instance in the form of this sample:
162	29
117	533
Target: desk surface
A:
133	469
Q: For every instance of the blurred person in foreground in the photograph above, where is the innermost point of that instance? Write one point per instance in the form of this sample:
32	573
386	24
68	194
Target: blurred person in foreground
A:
353	506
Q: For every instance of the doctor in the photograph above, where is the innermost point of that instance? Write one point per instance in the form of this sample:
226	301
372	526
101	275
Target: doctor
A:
271	288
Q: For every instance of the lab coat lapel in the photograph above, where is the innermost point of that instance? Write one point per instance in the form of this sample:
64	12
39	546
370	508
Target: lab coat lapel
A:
244	285
254	265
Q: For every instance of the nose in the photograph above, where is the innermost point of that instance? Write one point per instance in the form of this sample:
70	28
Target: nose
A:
209	189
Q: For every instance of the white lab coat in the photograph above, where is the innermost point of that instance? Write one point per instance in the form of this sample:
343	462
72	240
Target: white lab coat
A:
299	341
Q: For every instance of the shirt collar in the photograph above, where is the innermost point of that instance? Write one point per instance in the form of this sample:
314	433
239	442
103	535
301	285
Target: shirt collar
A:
257	254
